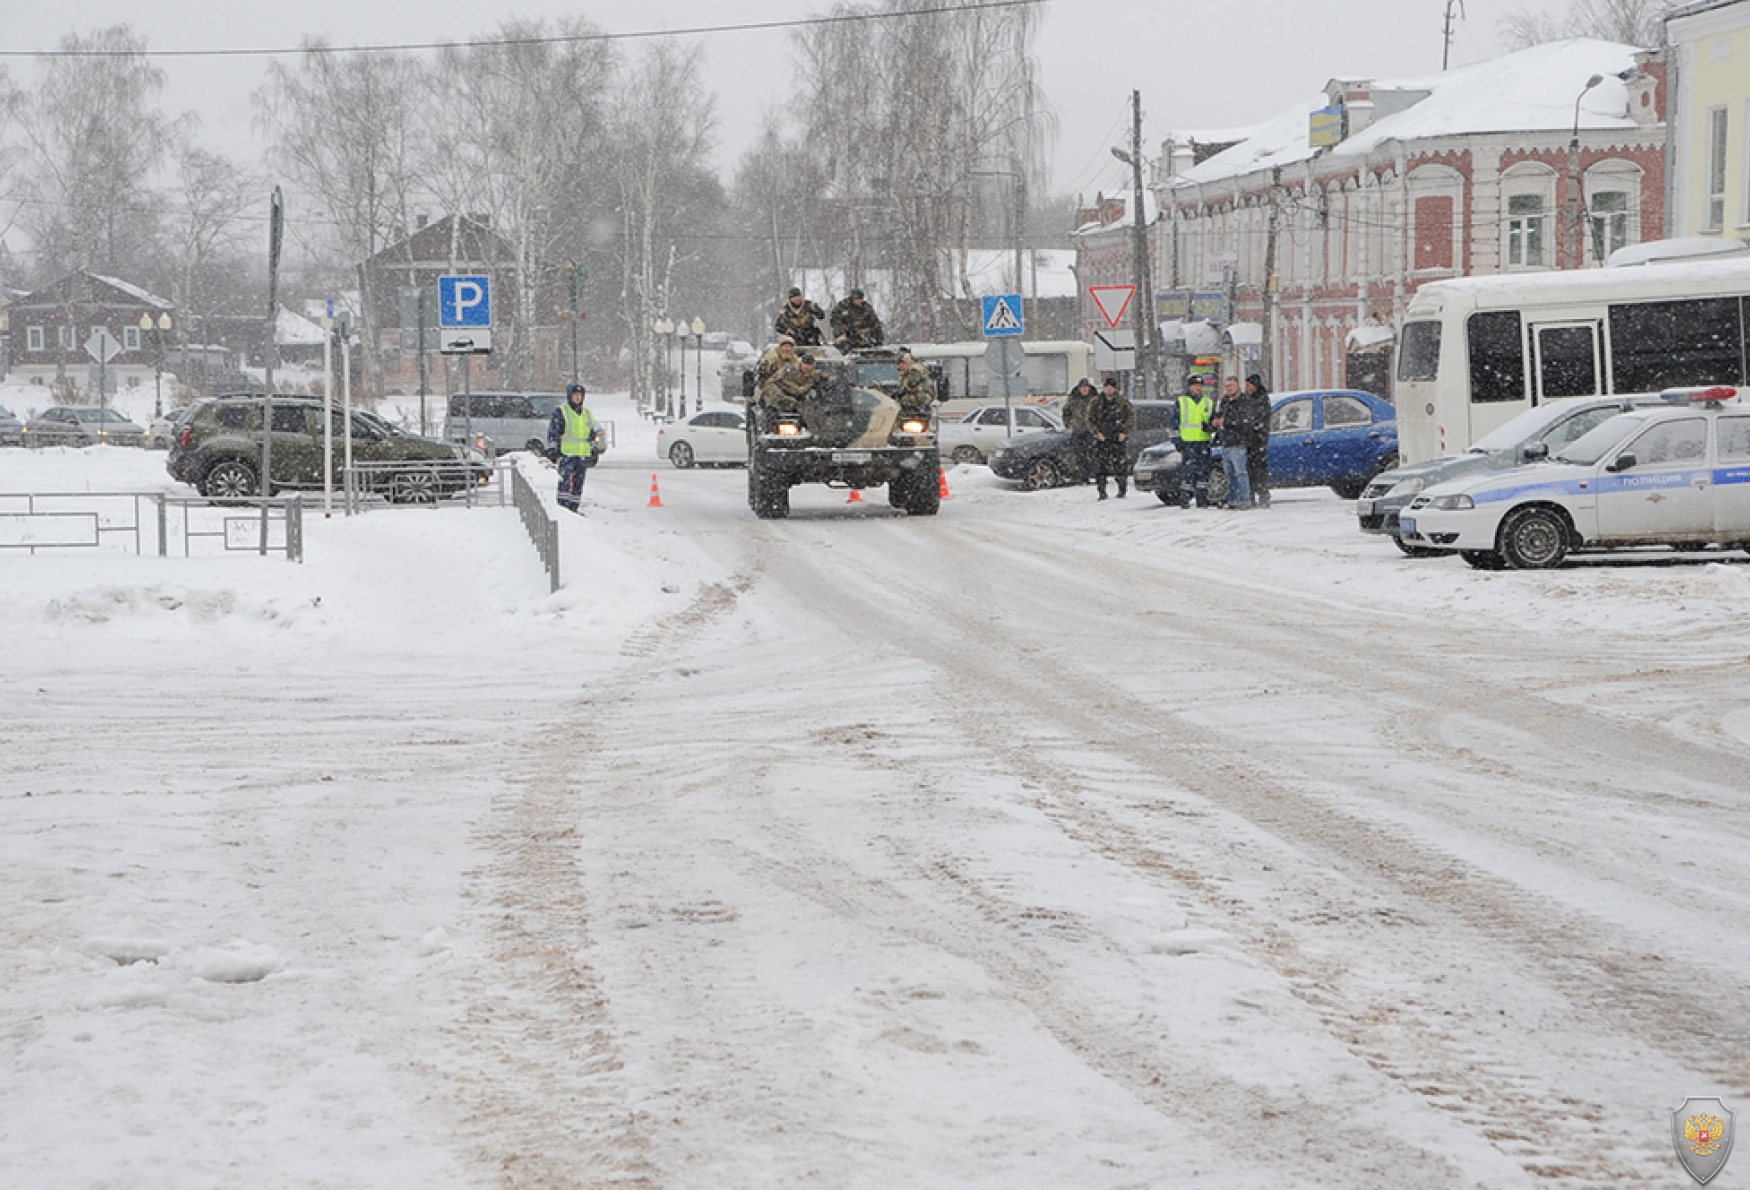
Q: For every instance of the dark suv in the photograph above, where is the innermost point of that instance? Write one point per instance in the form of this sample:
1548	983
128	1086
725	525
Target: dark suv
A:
1050	459
218	450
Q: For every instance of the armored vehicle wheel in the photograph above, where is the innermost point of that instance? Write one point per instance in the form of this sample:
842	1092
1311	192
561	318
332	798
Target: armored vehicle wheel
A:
769	500
915	492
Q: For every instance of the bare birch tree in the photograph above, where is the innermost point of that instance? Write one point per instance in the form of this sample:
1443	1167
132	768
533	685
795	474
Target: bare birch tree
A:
346	127
1631	22
93	136
208	237
522	134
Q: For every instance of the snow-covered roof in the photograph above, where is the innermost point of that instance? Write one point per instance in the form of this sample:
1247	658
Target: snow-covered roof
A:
292	329
1533	90
134	291
992	270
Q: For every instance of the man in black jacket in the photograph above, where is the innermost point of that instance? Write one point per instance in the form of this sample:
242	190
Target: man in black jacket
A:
1257	402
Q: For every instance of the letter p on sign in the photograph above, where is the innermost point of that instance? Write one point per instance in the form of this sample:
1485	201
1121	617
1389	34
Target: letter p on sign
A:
464	302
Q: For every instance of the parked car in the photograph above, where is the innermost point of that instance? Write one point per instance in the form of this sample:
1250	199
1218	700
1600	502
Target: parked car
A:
11	429
1336	438
710	437
219	451
82	425
494	423
1675	475
1526	438
971	438
161	432
1049	459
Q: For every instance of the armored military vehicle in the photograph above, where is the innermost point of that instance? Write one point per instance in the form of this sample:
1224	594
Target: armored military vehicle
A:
849	433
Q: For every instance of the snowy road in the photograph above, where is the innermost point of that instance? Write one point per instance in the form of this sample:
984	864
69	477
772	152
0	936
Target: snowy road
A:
1040	844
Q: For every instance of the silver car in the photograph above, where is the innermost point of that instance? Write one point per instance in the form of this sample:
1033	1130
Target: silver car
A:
1531	436
82	425
11	429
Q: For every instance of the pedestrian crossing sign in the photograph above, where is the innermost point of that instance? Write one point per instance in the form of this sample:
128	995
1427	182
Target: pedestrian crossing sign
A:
1002	316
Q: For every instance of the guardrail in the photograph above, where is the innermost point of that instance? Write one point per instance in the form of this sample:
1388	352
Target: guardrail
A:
433	483
142	522
543	529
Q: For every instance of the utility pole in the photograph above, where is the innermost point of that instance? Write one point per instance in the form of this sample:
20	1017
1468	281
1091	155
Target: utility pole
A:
1143	314
1450	31
1267	330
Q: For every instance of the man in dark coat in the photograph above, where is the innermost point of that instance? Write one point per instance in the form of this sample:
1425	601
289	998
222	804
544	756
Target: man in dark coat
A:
855	324
1075	420
799	318
1256	399
1111	419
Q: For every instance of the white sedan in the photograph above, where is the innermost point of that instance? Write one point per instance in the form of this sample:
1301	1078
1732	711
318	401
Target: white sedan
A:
1672	475
709	437
973	437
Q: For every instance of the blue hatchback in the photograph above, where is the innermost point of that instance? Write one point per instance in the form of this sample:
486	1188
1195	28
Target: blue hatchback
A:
1336	438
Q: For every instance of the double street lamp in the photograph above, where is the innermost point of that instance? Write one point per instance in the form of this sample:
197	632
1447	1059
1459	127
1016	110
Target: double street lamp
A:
156	328
664	328
697	330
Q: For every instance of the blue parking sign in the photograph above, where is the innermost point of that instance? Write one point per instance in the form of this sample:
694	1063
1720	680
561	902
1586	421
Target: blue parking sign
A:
464	302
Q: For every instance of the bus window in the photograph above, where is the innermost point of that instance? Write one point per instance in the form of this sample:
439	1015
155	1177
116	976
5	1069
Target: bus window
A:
1497	356
1419	351
1658	345
1567	361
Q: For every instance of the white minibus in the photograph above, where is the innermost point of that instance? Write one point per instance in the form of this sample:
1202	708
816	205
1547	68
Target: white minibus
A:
1475	351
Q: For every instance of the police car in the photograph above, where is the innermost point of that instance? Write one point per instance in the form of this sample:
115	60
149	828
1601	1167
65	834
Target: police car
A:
1674	474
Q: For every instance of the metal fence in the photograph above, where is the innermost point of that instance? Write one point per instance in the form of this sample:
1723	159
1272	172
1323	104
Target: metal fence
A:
439	483
543	529
151	522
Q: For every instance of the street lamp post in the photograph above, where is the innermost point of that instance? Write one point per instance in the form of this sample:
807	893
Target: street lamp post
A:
698	363
664	328
156	330
1576	203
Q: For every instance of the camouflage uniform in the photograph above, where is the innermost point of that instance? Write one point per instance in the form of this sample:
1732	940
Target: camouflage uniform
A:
772	359
855	324
799	318
793	380
1075	420
916	390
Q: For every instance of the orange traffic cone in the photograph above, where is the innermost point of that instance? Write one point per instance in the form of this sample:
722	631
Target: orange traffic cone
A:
856	496
655	496
944	490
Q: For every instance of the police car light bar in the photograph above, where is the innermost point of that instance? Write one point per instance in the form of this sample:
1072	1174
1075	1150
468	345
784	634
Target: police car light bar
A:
1705	392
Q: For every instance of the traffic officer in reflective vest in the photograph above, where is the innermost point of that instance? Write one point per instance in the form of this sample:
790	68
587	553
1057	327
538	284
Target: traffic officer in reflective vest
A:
572	438
1195	410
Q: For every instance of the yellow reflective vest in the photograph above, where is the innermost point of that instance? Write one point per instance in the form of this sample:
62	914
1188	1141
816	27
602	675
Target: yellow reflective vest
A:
579	430
1194	415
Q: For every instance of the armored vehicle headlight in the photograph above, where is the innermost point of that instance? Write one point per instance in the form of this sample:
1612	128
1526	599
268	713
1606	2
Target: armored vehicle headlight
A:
915	425
788	429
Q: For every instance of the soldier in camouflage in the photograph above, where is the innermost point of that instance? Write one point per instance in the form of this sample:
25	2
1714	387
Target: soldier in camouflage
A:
855	324
916	390
790	384
800	319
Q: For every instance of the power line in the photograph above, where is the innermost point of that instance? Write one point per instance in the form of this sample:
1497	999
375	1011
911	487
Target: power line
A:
557	39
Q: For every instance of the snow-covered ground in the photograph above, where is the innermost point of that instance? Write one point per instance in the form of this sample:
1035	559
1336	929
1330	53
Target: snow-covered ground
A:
1043	843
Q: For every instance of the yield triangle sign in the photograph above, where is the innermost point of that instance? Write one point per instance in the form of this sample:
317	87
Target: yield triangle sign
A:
1113	301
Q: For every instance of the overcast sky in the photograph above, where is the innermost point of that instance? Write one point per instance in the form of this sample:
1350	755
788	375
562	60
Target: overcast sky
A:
1198	65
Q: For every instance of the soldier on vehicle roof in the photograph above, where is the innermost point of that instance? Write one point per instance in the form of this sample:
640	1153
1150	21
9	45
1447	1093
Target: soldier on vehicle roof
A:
855	324
799	318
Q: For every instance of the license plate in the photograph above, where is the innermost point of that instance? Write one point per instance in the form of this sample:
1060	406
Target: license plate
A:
1407	526
851	456
1364	508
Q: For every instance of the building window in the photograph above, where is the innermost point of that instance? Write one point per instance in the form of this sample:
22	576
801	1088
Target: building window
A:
1714	218
34	338
1609	222
130	338
1434	232
1526	228
64	338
